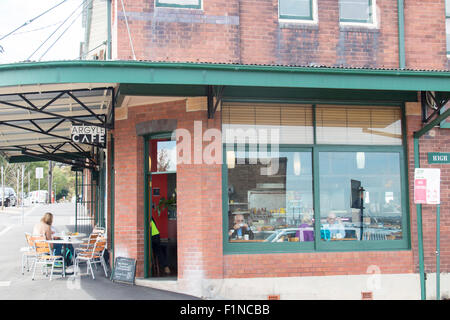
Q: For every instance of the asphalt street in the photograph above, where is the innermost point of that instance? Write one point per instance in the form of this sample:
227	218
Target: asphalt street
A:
14	222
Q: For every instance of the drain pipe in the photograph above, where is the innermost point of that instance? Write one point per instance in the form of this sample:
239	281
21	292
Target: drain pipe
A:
417	136
401	34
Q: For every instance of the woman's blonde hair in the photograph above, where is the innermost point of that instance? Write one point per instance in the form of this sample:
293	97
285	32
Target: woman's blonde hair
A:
306	218
47	218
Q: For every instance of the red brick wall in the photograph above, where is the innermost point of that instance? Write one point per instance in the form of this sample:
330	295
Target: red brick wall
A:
199	202
316	264
248	32
425	40
437	140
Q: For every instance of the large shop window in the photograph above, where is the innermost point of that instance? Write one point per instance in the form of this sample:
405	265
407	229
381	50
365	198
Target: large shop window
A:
307	177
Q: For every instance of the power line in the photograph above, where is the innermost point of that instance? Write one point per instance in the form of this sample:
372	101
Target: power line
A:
56	30
37	29
63	31
29	21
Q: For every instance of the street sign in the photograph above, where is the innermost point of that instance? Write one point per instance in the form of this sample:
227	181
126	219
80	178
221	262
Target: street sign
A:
88	134
427	186
437	157
39	173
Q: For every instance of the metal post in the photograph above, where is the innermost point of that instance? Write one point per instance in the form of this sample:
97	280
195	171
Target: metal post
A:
438	259
76	200
23	171
423	292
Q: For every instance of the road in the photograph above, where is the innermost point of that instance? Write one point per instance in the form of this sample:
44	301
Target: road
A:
14	286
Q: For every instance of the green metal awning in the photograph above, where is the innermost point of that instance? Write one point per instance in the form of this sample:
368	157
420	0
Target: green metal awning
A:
145	72
39	100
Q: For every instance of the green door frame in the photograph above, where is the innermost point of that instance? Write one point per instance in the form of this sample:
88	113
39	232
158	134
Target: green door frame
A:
147	198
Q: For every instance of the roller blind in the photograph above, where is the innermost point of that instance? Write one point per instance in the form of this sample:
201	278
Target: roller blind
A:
294	123
358	125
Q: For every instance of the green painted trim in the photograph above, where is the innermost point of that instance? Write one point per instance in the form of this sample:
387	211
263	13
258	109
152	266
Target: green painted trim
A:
401	34
444	124
432	124
25	158
109	36
94	71
160	135
295	17
319	245
112	197
158	4
147	206
405	184
423	289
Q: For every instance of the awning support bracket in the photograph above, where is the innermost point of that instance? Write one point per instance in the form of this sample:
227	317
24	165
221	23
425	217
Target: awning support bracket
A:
217	93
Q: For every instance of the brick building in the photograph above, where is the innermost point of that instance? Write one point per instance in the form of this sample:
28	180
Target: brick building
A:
274	114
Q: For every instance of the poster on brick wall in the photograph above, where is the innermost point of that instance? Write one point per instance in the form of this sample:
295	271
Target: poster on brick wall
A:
427	186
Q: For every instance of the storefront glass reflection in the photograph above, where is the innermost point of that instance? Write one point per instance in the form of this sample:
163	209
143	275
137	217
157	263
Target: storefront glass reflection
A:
378	175
275	207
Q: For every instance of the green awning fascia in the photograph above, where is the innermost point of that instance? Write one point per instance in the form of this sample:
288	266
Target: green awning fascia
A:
143	72
29	158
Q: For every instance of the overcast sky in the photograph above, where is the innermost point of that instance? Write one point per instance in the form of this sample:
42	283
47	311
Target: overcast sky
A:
20	45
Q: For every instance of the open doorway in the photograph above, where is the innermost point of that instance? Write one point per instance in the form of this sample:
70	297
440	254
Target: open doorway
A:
163	207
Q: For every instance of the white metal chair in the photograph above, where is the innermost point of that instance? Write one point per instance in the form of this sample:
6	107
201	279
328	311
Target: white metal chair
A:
85	246
29	253
92	257
45	258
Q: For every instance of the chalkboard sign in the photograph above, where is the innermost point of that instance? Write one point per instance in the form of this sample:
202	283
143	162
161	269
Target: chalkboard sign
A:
124	270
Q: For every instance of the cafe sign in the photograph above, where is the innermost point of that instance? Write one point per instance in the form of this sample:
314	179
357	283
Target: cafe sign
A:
437	157
88	134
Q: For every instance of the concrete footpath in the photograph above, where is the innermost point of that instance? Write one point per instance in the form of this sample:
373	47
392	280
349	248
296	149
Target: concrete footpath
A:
14	286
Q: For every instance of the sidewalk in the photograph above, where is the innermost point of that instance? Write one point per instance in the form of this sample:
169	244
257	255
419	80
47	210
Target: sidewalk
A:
14	285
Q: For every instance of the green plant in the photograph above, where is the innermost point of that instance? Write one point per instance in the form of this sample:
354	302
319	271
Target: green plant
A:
169	204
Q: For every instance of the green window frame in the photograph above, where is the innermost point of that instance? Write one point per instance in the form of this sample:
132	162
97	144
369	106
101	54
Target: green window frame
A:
310	17
178	4
369	20
318	245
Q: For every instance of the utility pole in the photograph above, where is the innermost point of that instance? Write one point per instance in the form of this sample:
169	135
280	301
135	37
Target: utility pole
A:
50	179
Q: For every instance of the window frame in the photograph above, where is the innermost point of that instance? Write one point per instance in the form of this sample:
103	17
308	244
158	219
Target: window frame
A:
158	4
313	18
318	245
371	22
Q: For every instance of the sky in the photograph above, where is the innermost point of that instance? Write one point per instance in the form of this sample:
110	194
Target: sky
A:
22	44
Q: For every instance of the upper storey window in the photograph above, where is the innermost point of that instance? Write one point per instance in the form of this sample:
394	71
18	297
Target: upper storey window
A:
302	10
357	11
189	4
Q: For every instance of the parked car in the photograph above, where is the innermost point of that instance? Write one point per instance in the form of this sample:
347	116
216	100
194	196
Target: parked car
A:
10	198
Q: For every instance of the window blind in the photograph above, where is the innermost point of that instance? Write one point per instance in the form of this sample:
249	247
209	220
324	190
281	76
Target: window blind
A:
293	122
358	125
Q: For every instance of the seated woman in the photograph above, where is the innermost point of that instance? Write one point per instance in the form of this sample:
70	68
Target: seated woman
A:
308	235
44	228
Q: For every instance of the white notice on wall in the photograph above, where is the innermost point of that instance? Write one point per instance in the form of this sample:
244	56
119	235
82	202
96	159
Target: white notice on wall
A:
427	186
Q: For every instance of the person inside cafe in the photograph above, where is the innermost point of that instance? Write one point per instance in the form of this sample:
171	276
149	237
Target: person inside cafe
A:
335	227
308	235
44	228
240	230
157	248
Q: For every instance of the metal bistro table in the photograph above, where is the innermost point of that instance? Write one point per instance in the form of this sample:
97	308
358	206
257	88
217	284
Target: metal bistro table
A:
65	241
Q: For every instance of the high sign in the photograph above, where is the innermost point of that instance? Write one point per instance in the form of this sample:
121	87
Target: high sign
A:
437	157
427	186
88	134
39	173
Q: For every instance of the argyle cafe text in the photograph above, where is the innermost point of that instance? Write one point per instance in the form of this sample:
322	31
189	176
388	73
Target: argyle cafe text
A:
88	134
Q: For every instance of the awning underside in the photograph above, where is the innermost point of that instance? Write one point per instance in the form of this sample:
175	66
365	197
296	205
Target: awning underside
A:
36	120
